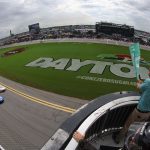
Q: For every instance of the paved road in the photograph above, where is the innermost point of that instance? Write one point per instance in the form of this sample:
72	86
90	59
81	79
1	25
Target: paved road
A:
29	117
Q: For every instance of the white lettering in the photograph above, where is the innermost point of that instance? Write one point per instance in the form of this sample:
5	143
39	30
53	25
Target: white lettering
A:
112	81
48	62
77	64
144	73
116	69
41	62
98	68
59	64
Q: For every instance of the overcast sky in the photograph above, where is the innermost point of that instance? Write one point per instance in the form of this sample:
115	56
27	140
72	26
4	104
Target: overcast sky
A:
16	15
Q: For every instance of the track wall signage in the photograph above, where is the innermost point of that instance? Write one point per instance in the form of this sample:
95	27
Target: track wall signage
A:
97	68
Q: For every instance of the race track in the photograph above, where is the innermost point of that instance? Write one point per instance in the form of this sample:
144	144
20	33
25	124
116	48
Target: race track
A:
29	117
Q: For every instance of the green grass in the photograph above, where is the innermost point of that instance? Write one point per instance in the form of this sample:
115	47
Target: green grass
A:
64	82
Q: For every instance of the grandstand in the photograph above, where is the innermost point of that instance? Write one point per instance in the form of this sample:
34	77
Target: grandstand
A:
111	29
103	30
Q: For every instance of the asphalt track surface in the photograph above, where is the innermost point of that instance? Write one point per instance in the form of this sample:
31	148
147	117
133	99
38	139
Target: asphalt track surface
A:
29	117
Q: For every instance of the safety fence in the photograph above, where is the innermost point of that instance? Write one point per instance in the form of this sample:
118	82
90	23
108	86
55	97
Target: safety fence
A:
79	40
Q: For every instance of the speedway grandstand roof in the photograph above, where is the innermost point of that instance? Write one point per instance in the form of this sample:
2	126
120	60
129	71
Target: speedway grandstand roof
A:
114	25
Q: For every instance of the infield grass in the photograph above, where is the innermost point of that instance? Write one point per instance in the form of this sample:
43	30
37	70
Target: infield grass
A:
62	81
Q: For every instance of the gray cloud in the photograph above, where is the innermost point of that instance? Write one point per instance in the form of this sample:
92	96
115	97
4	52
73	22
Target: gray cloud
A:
139	5
18	14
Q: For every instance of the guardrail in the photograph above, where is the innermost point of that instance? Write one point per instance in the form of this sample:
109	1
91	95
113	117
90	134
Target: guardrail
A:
100	116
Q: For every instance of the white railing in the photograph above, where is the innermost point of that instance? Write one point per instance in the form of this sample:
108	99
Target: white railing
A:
97	126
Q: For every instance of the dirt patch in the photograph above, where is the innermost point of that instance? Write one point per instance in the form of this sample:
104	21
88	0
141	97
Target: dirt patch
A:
13	52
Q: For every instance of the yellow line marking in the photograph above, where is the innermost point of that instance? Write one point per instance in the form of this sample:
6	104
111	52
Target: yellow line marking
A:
40	101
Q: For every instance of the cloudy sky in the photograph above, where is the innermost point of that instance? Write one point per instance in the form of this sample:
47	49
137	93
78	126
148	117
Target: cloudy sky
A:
16	15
